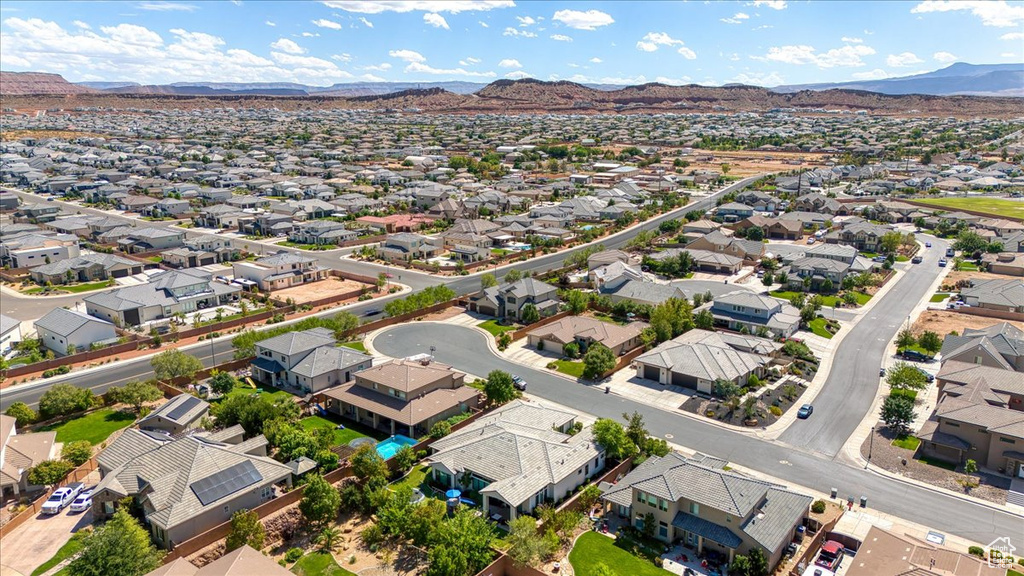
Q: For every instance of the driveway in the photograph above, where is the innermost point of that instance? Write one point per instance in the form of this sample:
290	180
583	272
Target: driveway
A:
37	540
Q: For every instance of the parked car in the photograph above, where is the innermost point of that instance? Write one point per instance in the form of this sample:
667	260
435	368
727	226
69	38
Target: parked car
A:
810	240
518	382
916	260
61	497
881	371
927	244
878	258
831	555
929	377
942	262
950	252
83	502
805	411
915	355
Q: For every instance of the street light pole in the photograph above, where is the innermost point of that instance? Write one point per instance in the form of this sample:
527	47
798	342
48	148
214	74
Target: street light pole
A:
871	445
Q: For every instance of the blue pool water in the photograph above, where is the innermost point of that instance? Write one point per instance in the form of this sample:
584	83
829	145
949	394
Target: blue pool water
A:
391	446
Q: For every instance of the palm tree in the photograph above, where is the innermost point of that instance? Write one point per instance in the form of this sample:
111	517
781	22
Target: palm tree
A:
328	539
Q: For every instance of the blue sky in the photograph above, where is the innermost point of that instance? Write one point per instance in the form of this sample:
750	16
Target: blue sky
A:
764	42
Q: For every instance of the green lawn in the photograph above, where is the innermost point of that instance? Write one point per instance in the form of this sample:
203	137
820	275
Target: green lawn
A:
69	549
355	345
869	254
319	564
94	427
307	246
416	478
494	328
818	327
995	206
156	259
573	368
826	301
902	259
908	443
74	289
909	394
592	549
968	266
607	318
862	298
937	463
351	432
244	390
1012	572
939	297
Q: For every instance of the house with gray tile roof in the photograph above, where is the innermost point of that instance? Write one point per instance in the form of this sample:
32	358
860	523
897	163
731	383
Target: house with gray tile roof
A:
755	312
698	358
708	508
508	300
1000	345
517	458
166	294
68	331
19	453
1005	295
749	250
86	268
640	291
10	335
188	485
306	361
181	413
281	270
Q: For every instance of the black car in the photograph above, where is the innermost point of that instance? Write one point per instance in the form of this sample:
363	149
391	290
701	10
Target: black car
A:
915	355
916	260
927	376
373	312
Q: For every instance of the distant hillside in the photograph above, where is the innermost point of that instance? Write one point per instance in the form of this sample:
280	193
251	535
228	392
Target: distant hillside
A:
171	89
959	78
19	83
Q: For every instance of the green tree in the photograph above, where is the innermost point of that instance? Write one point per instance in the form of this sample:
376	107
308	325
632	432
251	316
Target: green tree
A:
447	560
726	389
471	536
898	413
891	242
768	279
970	242
135	394
252	413
425	520
636	430
174	363
598	360
500	388
529	314
440	429
903	376
970	466
740	566
588	497
576	301
758	563
602	569
487	280
320	502
328	539
612	437
77	452
49	472
905	339
704	320
405	458
121	547
755	233
246	530
512	275
526	545
22	414
222	382
930	341
64	399
808	313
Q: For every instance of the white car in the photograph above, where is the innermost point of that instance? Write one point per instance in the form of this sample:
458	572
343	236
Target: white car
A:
58	500
83	502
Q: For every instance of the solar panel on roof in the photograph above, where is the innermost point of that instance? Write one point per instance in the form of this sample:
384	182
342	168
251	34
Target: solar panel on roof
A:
226	482
181	409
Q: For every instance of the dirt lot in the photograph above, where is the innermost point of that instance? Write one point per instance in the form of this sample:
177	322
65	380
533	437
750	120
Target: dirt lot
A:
943	322
956	275
317	290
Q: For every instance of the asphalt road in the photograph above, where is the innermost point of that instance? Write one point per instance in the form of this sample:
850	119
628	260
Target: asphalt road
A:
853	381
467	350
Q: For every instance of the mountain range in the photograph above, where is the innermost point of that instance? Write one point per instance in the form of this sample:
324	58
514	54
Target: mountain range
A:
959	78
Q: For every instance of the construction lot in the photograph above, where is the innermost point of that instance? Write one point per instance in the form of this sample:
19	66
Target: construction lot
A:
942	322
318	290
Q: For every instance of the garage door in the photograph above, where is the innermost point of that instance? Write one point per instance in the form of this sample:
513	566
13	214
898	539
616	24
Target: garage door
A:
681	380
652	373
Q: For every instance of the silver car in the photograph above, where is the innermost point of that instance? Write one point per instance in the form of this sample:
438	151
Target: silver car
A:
83	502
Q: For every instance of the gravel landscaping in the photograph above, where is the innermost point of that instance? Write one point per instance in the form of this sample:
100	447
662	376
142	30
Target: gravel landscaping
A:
884	455
721	411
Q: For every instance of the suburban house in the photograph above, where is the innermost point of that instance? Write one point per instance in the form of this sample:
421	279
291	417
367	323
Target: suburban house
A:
281	270
68	331
186	486
321	233
201	251
38	212
817	271
704	260
606	257
999	346
744	309
1005	263
628	288
698	358
508	300
517	458
31	249
404	396
864	236
244	561
166	294
408	246
885	553
10	335
697	502
19	453
179	414
86	268
815	202
584	331
734	211
1002	295
307	361
149	239
749	250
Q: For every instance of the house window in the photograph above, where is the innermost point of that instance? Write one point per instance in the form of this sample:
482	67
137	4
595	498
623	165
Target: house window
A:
694	509
662	505
663	529
1005	439
640	498
977	359
267	493
952	424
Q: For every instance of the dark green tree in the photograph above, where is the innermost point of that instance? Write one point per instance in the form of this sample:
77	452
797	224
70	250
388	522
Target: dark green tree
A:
121	547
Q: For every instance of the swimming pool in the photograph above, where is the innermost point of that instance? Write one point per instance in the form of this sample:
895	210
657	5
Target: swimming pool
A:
391	446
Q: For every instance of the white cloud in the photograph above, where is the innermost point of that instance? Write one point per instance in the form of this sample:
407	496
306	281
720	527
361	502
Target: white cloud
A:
82	25
270	23
759	79
323	23
131	34
383	67
526	20
596	60
378	6
653	40
589	20
343	57
997	13
421	68
308	62
516	32
944	57
310	34
509	63
737	19
287	46
673	81
1012	36
845	56
484	24
1007	55
366	22
518	75
435	20
167	7
407	55
469	61
902	60
876	74
850	40
561	38
773	4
